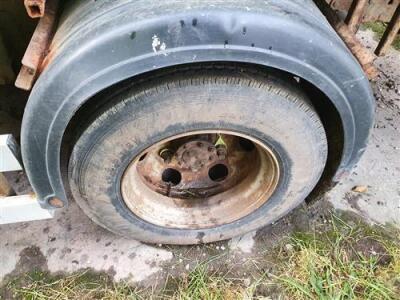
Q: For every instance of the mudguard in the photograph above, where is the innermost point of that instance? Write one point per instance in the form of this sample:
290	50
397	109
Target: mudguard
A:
101	43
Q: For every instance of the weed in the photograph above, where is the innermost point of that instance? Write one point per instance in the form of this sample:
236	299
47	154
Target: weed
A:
345	262
337	260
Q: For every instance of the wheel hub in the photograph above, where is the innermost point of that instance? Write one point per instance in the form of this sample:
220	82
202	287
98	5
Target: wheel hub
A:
196	166
197	155
200	180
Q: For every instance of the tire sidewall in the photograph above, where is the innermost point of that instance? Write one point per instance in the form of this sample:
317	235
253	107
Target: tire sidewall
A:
272	112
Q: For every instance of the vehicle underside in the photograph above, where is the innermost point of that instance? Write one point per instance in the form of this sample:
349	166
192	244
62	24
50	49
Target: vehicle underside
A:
184	122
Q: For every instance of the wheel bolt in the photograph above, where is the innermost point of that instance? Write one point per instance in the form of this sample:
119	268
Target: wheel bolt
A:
221	152
166	155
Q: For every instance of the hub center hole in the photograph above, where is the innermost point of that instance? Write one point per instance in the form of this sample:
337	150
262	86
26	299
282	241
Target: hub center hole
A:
171	176
218	172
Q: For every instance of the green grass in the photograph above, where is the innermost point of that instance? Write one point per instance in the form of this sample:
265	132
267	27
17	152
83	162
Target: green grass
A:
201	284
346	262
338	260
38	285
379	29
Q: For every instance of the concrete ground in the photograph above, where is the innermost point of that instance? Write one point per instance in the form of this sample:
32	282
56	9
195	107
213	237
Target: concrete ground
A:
71	242
379	168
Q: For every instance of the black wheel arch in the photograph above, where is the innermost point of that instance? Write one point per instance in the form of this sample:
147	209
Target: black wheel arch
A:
100	50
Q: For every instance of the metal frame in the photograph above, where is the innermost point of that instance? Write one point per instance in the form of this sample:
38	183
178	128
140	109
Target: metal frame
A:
38	46
390	34
376	10
13	208
5	188
35	8
363	55
355	16
9	154
23	208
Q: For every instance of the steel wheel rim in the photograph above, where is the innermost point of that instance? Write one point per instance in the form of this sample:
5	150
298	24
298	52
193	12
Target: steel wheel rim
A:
157	197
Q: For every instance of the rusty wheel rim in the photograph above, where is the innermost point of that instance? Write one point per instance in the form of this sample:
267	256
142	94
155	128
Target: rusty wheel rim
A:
200	180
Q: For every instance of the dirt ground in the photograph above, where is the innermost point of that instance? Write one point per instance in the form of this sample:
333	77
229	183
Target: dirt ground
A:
379	168
71	242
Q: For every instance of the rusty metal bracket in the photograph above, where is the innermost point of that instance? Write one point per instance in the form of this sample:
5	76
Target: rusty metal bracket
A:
390	34
22	208
376	10
35	8
363	55
5	188
37	48
355	14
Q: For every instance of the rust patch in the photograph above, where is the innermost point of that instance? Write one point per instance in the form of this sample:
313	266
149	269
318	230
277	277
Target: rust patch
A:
35	8
390	34
377	10
196	167
363	55
5	187
356	12
213	178
37	48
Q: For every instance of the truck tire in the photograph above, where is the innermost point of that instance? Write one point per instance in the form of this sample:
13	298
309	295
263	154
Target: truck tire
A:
197	155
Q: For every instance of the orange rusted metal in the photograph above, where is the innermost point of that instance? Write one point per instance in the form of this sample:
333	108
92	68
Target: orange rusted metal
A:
363	55
376	10
5	188
35	8
56	203
356	12
390	34
198	197
199	164
38	46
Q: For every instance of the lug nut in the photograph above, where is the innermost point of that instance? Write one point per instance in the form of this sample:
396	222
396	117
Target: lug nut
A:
221	152
166	155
